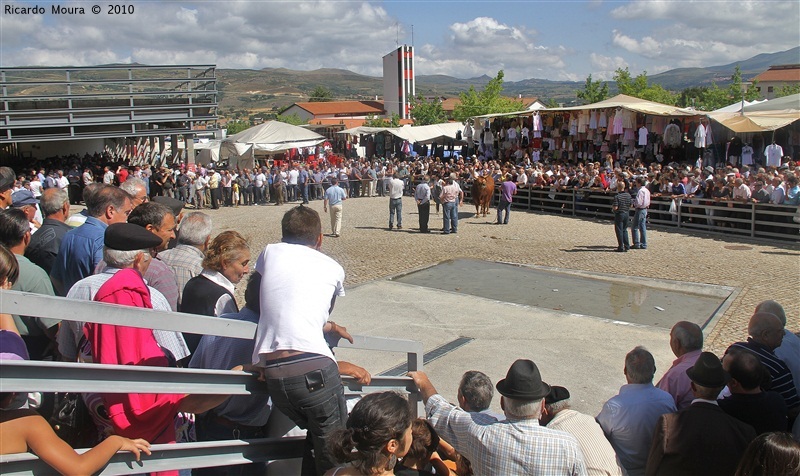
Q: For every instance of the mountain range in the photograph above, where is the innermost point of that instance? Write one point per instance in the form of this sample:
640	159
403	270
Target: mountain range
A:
272	89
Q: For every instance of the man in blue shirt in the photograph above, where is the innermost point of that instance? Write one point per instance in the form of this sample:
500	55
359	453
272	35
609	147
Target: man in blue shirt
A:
334	197
82	248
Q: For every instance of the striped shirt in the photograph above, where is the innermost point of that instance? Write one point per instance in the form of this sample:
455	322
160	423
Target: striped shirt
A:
600	458
782	381
505	447
622	202
186	261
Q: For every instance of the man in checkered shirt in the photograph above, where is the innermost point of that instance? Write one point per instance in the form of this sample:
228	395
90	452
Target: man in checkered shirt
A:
515	445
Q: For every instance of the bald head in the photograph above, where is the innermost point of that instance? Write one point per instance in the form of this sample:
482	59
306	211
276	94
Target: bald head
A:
772	307
685	337
766	329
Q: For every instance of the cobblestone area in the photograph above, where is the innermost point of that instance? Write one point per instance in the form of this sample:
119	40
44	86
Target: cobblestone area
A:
369	251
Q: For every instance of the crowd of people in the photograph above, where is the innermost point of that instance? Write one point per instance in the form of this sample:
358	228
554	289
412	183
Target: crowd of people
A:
135	244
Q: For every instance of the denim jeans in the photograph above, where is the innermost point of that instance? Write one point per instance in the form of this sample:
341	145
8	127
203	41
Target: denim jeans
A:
450	217
320	409
621	229
504	206
639	228
395	206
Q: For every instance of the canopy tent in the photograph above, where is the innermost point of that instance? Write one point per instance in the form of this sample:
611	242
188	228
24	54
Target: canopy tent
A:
737	106
418	134
238	155
642	106
276	136
765	116
207	152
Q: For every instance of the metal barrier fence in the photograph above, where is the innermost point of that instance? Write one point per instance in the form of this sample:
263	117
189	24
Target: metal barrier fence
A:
33	376
753	220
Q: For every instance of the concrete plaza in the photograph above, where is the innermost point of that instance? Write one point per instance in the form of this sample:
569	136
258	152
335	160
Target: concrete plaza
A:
581	352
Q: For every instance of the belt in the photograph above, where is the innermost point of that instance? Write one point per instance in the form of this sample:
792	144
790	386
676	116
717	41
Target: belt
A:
231	425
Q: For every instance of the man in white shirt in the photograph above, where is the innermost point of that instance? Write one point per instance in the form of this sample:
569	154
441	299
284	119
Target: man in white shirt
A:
291	191
299	287
396	186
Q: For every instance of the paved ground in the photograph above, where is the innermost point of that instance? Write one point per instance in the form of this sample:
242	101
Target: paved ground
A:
368	251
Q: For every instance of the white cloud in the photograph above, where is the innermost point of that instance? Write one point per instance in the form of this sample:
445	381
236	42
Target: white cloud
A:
705	33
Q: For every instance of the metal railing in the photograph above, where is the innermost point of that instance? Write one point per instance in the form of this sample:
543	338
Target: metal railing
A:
34	376
744	219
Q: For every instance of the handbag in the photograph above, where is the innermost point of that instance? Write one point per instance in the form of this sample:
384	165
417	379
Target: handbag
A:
673	207
71	421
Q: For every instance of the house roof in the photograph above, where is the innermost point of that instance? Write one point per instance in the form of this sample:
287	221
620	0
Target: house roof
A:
342	107
780	73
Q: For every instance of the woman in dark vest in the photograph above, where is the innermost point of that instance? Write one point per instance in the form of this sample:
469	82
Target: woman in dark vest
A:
211	292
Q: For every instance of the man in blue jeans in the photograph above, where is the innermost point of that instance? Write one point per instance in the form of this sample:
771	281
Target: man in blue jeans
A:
641	202
507	189
299	287
396	187
452	196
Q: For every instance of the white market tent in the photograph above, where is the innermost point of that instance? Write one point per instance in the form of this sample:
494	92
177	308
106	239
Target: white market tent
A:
642	106
737	106
271	136
765	116
418	134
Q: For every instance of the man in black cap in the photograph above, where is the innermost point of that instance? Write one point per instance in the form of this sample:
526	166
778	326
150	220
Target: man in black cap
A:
598	453
702	438
126	246
516	445
159	220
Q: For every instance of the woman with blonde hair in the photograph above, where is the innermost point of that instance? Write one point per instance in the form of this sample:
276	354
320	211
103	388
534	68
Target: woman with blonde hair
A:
211	293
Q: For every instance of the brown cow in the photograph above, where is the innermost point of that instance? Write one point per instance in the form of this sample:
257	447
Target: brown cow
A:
482	191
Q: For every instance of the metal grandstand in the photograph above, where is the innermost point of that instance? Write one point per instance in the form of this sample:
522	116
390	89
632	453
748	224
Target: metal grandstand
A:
64	103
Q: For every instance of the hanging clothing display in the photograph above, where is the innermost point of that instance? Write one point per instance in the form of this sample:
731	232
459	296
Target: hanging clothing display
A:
537	121
773	154
700	136
618	118
602	120
643	136
672	135
747	155
593	120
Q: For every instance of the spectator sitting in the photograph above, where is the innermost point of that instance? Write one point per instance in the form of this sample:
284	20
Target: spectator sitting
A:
475	393
763	410
23	430
82	248
629	418
771	454
159	220
686	342
700	439
43	248
422	453
516	445
186	258
211	292
15	234
789	350
378	432
598	454
766	334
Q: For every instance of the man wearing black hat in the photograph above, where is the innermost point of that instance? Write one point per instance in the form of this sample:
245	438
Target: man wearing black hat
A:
516	445
700	439
126	246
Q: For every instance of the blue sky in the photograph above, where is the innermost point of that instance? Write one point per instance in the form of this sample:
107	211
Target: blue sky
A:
556	40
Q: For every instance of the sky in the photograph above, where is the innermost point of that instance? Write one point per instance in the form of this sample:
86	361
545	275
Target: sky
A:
555	40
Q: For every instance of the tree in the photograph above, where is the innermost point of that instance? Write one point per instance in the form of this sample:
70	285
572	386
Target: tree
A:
292	119
593	91
237	126
788	90
321	94
736	89
488	101
373	121
637	87
427	112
